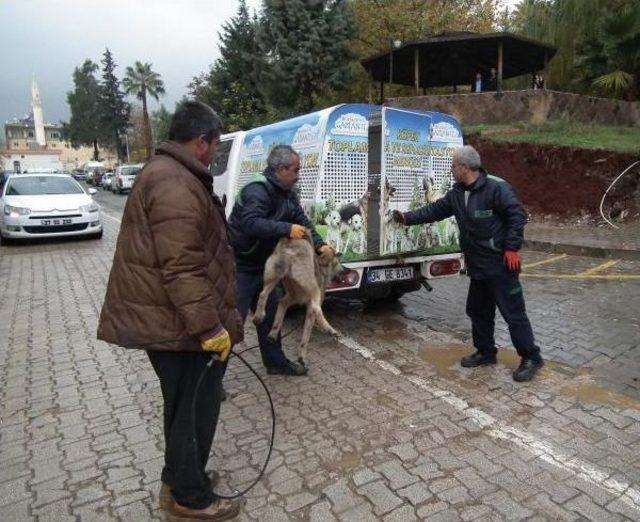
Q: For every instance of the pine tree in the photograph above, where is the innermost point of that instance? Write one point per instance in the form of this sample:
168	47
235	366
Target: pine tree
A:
84	126
113	107
306	50
160	123
231	86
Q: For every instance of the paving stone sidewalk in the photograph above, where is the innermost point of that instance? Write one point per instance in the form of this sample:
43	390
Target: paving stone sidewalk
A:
379	430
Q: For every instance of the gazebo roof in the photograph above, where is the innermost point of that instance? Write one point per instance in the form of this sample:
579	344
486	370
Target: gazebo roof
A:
454	57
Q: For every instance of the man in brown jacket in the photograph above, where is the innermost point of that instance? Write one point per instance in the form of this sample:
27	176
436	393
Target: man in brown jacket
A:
171	292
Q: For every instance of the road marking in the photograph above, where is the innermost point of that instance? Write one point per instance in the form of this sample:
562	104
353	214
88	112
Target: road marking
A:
545	261
598	268
496	429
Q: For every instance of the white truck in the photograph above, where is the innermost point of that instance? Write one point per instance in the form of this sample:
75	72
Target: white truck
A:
359	163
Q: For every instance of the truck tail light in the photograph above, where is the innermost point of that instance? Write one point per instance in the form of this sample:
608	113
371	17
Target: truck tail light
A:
345	279
444	267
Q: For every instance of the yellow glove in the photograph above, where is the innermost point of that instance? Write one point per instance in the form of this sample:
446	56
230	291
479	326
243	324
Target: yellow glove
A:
221	344
297	232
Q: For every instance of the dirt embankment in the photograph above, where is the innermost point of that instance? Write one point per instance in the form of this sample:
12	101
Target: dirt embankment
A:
563	182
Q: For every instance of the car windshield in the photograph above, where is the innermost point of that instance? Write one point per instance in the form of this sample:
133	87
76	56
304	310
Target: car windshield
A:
130	171
42	185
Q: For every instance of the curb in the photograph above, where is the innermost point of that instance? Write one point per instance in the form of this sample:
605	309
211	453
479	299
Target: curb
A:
581	250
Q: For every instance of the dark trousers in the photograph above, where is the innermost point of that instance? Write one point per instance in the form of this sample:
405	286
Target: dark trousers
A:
184	459
505	292
248	287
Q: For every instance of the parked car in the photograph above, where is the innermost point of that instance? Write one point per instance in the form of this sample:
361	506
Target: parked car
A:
47	205
107	178
79	175
124	177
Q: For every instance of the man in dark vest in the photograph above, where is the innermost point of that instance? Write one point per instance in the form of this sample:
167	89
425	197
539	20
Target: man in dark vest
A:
491	221
266	210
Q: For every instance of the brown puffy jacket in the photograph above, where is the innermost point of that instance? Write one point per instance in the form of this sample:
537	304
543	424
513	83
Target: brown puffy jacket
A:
173	273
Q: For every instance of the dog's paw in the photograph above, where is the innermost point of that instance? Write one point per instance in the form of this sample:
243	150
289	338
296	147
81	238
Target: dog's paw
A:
273	336
258	318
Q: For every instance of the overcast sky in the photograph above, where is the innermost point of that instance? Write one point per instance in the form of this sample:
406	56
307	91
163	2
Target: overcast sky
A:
49	38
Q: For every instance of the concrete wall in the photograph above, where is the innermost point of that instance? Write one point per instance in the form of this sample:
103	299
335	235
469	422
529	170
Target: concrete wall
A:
31	162
529	105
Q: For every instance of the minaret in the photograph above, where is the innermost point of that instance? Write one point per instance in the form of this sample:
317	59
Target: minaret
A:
38	119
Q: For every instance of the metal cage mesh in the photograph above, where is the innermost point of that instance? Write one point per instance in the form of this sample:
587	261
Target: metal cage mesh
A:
345	176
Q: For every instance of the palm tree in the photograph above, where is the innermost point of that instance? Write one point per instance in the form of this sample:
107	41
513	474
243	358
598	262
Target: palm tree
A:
140	80
610	58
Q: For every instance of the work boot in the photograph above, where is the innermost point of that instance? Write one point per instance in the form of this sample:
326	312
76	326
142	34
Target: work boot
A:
478	359
220	509
166	500
289	368
527	369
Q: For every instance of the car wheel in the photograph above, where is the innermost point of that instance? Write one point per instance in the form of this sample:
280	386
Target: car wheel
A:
97	235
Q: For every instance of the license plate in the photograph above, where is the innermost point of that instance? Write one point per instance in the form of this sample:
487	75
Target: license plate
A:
385	275
55	222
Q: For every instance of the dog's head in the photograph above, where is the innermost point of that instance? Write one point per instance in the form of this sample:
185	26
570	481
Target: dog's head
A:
356	222
428	182
333	218
388	218
330	264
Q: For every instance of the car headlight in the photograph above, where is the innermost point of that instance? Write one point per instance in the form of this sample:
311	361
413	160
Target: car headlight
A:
91	207
16	211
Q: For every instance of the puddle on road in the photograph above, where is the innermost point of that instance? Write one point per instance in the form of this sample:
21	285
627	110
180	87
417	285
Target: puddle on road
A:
393	324
588	392
391	330
347	461
576	383
445	356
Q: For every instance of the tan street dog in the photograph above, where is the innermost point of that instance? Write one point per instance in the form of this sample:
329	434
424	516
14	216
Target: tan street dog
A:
304	276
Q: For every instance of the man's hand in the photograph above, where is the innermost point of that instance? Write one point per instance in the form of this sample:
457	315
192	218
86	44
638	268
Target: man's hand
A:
398	216
326	252
512	260
220	344
297	232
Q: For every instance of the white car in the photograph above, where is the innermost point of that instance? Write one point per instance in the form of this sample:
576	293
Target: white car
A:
107	178
47	205
124	177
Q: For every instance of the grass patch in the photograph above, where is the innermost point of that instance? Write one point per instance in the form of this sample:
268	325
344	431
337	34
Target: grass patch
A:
563	133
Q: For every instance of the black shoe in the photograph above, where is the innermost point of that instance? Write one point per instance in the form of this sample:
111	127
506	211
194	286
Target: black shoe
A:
478	359
527	369
289	368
